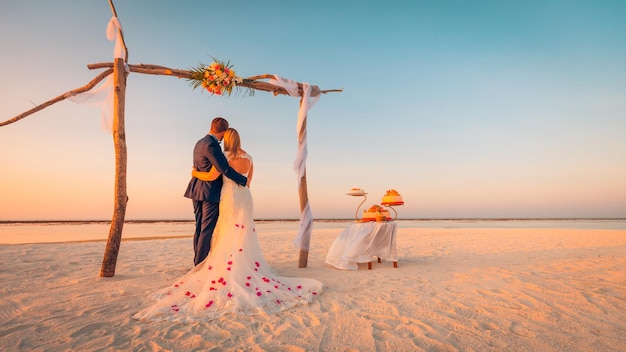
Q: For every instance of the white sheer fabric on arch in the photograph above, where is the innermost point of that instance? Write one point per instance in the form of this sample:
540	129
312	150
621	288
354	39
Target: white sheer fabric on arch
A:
102	96
303	239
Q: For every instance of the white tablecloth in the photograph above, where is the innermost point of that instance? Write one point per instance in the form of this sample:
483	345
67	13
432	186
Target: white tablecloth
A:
360	242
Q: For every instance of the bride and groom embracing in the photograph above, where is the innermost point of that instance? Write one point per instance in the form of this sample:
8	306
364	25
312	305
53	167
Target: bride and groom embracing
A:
230	275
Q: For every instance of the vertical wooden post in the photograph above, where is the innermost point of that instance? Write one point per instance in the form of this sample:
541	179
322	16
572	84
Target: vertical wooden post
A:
304	198
121	198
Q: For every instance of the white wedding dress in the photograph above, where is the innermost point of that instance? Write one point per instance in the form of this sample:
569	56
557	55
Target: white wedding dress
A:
235	277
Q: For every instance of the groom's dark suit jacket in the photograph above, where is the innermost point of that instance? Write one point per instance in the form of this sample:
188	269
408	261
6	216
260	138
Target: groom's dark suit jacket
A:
207	153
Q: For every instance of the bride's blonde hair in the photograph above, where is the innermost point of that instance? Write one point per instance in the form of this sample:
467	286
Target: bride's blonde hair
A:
232	142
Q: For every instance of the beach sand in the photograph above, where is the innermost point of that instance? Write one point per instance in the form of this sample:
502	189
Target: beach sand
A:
455	289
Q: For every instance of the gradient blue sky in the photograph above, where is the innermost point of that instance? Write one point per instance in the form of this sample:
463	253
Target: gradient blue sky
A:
468	108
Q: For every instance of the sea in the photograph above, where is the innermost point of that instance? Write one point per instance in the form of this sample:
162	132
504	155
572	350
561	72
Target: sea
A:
23	232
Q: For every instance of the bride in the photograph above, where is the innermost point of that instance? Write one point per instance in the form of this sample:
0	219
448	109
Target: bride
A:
235	277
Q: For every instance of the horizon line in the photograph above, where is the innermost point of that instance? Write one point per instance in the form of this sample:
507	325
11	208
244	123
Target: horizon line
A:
324	219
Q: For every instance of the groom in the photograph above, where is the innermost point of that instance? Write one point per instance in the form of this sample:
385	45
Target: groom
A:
206	194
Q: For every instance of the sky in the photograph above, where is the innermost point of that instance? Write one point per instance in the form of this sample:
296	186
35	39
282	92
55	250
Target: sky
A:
470	109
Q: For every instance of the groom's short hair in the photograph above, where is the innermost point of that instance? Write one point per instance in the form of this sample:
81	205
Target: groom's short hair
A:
219	125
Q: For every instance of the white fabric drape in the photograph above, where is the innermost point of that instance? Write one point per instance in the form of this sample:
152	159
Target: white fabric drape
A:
309	99
102	96
114	33
360	242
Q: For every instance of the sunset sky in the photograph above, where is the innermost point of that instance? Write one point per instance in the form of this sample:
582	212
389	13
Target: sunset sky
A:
490	109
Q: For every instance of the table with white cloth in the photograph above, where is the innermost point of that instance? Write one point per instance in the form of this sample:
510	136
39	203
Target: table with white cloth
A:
362	241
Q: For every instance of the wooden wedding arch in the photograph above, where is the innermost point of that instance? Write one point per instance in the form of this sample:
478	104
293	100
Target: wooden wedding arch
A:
120	69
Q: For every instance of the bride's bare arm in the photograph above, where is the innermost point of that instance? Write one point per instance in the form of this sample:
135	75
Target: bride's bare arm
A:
211	175
250	174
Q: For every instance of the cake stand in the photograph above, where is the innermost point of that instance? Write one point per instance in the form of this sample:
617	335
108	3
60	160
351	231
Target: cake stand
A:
391	205
358	193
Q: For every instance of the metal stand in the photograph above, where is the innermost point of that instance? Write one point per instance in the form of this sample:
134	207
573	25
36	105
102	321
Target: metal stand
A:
394	211
356	215
358	193
391	207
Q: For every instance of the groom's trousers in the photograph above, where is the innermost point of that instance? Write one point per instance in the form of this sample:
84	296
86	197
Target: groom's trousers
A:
206	218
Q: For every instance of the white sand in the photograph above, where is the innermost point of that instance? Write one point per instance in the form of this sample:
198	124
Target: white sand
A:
454	290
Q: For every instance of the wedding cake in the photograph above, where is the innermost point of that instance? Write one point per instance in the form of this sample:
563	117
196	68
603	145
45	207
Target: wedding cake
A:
392	197
371	213
356	192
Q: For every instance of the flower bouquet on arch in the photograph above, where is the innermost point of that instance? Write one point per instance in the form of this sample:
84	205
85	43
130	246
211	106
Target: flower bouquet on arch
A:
217	78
